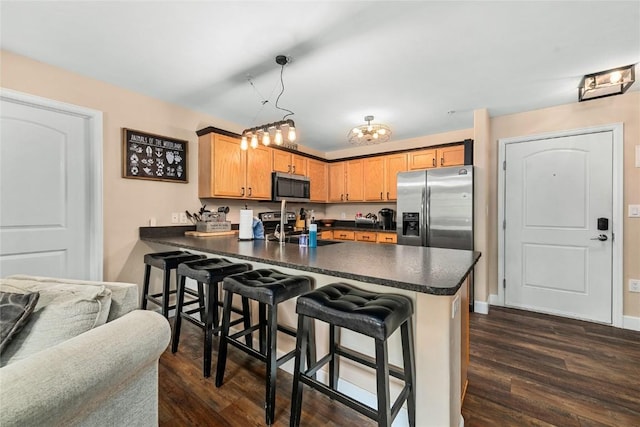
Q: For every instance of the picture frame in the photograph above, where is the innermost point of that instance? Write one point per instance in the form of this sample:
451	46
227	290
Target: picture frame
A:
154	157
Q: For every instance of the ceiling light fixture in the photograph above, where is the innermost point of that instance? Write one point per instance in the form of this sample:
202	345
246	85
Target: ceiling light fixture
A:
264	131
606	83
369	133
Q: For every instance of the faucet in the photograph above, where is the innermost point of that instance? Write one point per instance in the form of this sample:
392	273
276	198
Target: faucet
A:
283	217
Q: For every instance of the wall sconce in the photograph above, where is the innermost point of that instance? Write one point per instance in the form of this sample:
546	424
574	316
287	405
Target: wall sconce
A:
606	83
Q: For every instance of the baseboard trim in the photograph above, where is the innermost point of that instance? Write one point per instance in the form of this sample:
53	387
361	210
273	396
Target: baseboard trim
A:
481	307
631	322
494	299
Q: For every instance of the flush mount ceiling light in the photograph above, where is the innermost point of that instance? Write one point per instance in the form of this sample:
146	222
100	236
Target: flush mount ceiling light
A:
606	83
369	133
263	132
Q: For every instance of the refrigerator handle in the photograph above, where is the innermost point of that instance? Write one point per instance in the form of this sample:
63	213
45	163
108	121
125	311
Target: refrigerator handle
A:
424	226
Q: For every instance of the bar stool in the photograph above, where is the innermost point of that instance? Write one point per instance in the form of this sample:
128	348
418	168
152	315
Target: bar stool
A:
372	314
208	272
166	261
270	288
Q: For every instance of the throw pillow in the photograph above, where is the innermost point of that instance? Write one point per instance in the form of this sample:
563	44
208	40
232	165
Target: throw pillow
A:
63	311
15	311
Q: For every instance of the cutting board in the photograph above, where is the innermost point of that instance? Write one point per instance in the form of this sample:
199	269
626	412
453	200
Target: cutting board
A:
210	233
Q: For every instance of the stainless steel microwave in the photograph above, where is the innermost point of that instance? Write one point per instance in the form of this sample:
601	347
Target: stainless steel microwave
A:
294	188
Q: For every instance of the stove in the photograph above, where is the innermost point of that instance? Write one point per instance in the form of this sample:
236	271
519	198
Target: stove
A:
272	218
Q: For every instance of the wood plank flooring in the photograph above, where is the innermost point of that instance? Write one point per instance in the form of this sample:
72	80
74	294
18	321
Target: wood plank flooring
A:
527	369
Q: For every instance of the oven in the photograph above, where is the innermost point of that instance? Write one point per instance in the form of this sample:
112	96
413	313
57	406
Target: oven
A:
271	219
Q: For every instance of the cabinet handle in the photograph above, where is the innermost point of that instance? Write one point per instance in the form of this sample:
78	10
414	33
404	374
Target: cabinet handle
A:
365	237
242	194
347	197
342	197
441	161
249	191
388	238
433	162
387	195
381	198
294	169
288	168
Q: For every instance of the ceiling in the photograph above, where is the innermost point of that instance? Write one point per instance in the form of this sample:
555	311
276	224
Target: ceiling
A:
421	67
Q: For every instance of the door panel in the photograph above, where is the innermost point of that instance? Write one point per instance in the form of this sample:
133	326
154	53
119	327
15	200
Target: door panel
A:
43	192
555	191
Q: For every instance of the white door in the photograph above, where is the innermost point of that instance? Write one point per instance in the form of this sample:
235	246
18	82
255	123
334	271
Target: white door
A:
556	259
47	213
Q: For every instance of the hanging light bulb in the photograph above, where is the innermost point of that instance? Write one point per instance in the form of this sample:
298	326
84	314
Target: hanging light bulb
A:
266	138
292	133
254	141
244	144
278	137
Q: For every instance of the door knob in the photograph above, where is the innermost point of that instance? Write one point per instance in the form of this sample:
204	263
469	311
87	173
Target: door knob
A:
601	237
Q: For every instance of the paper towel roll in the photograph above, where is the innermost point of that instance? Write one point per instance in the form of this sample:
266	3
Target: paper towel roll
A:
245	230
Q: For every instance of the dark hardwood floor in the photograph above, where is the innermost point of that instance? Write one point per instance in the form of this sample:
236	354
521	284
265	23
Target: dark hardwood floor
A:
527	369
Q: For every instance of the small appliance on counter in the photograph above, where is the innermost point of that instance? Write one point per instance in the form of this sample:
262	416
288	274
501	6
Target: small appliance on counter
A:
271	220
386	219
366	221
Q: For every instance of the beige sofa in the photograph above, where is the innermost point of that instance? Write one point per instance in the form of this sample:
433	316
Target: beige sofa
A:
86	356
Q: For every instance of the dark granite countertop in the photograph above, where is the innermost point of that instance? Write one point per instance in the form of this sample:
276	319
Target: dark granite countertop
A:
428	270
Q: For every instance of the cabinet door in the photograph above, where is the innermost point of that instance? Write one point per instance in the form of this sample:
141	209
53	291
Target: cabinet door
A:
298	165
343	235
422	159
281	161
355	181
374	179
336	181
317	173
387	237
451	156
365	236
393	164
259	173
229	163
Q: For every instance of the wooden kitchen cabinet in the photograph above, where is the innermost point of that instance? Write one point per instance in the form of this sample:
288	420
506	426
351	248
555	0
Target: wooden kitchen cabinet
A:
286	162
343	235
325	235
452	155
381	176
226	171
336	182
365	236
383	237
317	173
346	181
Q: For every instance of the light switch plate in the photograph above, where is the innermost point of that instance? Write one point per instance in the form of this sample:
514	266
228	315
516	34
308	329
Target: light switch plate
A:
634	285
634	211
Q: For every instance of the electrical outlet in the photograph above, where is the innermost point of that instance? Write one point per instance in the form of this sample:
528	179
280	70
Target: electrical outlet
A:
175	218
152	222
634	285
183	218
634	211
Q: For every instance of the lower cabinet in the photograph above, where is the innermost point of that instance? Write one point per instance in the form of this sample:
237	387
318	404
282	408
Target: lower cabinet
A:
386	237
343	235
359	236
365	236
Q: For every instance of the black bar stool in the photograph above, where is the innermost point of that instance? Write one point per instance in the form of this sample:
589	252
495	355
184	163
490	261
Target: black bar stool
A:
208	272
270	288
372	314
165	261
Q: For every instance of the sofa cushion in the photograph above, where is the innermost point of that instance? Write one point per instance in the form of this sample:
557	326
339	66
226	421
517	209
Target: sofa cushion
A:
124	296
15	311
63	311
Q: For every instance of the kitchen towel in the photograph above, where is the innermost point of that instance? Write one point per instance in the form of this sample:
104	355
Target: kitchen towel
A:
245	230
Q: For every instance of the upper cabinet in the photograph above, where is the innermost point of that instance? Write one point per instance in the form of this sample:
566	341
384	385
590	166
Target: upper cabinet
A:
226	171
452	155
380	176
284	161
336	182
317	173
346	181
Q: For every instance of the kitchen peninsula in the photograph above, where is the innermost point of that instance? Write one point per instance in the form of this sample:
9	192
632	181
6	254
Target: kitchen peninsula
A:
436	280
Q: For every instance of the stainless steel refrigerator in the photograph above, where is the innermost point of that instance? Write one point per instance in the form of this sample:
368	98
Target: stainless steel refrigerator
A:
435	208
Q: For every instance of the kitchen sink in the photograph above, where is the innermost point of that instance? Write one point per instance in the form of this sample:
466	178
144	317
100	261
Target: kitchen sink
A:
294	239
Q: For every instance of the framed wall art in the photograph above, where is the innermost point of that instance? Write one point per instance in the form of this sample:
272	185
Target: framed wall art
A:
154	157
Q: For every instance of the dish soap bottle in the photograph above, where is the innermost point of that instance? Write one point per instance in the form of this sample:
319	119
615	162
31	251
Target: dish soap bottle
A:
313	235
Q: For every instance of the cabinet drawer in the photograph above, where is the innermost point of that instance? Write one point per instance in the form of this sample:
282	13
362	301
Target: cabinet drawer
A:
343	235
365	236
387	238
325	235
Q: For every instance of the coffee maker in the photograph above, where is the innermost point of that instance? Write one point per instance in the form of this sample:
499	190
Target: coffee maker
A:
386	218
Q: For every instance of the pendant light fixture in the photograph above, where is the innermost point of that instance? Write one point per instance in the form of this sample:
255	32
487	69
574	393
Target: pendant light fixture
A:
370	133
263	132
